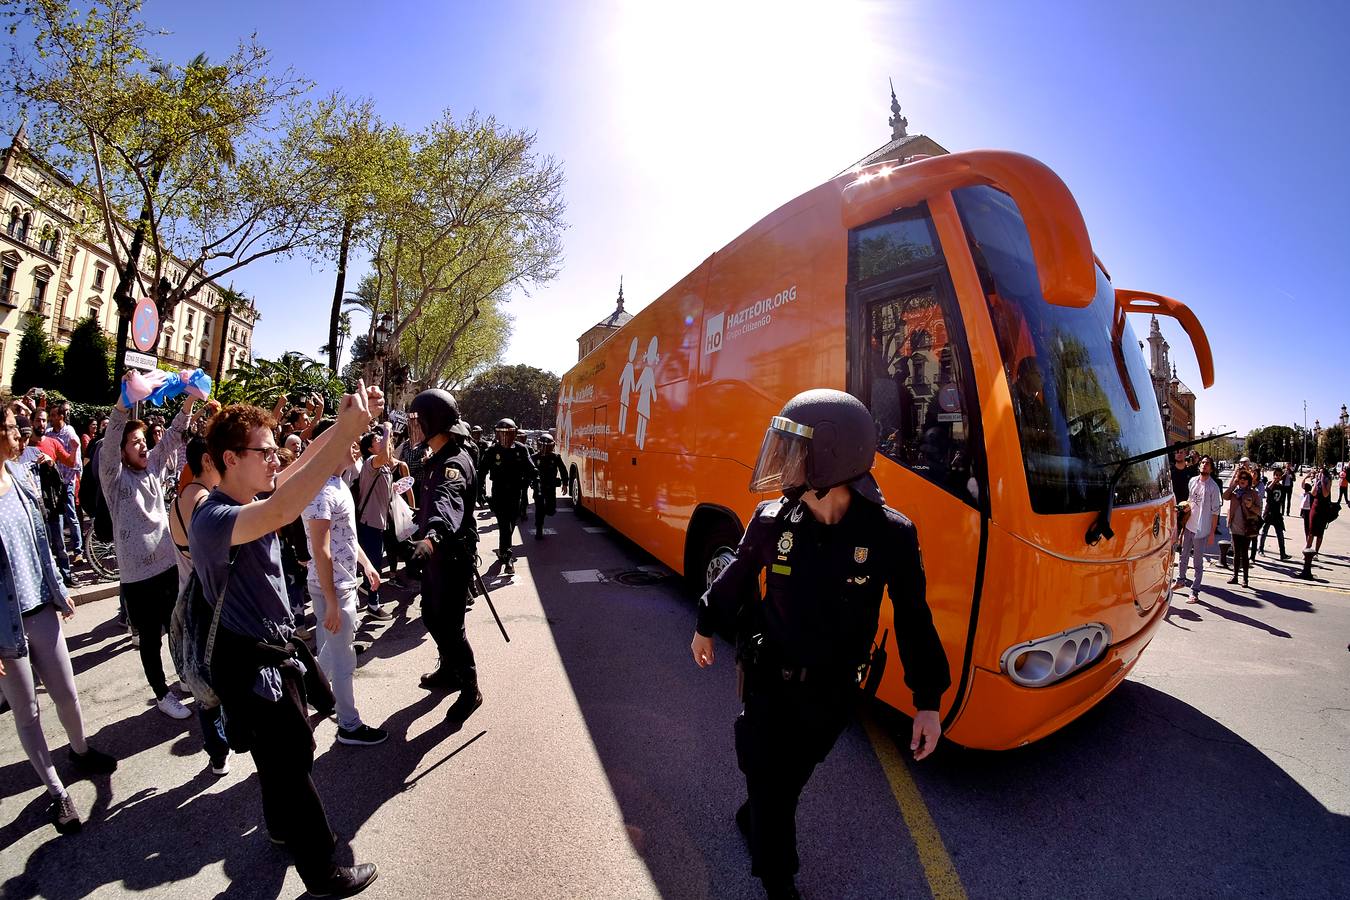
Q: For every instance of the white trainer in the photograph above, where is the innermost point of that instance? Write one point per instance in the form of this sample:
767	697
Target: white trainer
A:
221	766
172	707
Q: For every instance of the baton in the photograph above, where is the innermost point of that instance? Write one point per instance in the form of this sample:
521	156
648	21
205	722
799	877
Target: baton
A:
488	597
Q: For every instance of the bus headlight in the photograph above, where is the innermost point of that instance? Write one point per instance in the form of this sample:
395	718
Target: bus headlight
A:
1049	659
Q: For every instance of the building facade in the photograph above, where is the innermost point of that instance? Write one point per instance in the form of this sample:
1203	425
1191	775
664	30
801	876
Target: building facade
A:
49	265
1176	402
600	332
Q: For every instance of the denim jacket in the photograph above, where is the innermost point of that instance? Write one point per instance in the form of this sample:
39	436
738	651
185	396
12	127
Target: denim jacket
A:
13	640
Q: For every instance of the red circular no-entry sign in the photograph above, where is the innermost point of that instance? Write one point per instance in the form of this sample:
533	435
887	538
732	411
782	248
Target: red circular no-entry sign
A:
145	325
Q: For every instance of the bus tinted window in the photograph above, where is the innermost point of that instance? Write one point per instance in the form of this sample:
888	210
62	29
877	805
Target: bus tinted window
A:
888	246
913	389
1073	412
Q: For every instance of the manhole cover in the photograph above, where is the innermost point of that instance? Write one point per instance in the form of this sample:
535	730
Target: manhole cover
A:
639	578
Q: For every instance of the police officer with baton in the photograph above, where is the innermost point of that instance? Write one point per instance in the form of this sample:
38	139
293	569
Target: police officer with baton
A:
829	545
447	541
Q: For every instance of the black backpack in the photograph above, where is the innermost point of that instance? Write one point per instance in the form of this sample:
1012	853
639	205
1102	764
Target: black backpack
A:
52	487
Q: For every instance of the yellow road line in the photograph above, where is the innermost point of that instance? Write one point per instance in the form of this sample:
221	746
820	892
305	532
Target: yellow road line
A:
938	868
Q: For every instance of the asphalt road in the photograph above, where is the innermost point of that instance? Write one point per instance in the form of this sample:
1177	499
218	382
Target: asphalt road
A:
601	764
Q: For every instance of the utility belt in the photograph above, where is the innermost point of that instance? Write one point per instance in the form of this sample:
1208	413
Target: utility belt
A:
758	663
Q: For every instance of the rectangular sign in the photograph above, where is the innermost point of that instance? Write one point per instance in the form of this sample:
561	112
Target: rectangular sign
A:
398	417
138	360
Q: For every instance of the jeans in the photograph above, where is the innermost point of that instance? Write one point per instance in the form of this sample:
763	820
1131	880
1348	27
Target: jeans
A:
371	541
1276	523
72	516
1190	546
213	732
150	606
1242	557
336	656
58	543
47	655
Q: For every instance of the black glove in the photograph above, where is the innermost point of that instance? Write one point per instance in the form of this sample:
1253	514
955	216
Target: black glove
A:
422	552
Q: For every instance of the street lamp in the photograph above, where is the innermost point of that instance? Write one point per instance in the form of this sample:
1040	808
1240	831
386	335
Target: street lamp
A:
543	401
1167	421
1345	421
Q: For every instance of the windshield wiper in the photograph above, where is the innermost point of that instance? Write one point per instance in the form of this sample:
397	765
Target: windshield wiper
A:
1101	528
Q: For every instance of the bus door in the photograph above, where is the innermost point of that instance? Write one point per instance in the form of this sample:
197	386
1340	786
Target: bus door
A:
908	360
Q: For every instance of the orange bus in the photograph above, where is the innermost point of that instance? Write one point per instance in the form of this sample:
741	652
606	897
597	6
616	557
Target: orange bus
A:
959	298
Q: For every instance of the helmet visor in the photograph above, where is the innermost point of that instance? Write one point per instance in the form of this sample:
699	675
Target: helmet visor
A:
781	464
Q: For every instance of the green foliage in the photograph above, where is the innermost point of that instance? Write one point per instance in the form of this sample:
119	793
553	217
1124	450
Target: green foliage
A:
261	382
511	392
1331	446
38	363
88	364
1274	443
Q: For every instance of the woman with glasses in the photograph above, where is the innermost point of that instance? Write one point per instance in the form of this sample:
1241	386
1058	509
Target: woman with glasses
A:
1244	521
31	640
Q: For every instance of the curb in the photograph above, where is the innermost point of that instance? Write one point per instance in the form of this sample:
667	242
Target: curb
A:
88	593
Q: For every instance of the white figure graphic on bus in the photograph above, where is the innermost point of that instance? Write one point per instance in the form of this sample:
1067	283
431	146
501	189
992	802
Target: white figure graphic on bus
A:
565	420
646	390
626	386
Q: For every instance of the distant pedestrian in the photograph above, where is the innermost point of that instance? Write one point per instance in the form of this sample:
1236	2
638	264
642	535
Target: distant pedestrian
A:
63	432
1244	522
1288	483
1200	525
1345	472
1319	510
1273	516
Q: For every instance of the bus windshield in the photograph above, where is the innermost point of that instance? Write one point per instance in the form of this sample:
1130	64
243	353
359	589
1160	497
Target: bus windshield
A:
1073	407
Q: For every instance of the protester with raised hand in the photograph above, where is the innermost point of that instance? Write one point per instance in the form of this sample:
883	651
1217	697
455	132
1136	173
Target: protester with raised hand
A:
31	640
134	480
262	676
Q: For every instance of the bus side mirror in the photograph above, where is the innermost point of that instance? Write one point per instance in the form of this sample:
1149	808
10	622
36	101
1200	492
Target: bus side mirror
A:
1065	263
1145	302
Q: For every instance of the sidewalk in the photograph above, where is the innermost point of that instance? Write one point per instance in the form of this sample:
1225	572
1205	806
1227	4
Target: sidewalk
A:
1331	568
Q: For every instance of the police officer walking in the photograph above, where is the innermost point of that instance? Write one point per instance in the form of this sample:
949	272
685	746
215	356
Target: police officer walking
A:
446	548
480	447
551	473
829	545
512	471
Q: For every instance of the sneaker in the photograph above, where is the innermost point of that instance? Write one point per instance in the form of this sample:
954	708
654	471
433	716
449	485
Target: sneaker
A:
68	579
93	762
375	612
221	766
170	705
464	706
347	881
510	567
77	559
362	736
64	815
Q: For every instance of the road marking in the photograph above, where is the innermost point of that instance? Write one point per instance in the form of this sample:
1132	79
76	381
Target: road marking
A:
938	868
594	529
583	576
550	531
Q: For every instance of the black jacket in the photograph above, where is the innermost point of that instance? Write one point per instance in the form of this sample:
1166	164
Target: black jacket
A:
449	486
512	471
823	592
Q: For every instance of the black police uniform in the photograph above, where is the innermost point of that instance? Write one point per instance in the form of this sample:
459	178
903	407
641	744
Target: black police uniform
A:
483	447
551	473
802	646
446	517
511	471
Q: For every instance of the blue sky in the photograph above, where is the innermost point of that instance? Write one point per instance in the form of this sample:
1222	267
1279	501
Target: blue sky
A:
1204	142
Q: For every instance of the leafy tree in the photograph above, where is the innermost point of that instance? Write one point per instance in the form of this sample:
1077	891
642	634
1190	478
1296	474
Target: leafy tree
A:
1273	443
205	159
38	363
88	364
261	382
511	392
1331	446
479	215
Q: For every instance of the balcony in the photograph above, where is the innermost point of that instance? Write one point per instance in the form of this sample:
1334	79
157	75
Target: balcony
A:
67	324
39	306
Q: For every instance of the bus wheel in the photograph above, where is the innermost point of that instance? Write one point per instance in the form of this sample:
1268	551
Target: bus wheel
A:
719	549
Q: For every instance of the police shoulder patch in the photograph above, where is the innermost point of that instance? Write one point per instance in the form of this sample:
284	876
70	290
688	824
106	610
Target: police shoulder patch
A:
452	474
860	555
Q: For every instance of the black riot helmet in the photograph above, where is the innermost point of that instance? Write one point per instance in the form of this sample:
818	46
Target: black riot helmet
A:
546	441
436	411
506	432
821	439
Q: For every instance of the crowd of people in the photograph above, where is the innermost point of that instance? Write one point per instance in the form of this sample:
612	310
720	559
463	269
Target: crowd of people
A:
1241	516
260	515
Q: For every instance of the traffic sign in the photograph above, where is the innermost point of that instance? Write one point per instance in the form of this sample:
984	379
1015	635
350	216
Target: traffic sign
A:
145	325
141	361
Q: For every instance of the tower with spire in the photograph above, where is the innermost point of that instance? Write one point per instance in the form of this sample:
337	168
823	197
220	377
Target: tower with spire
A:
903	146
1174	399
600	332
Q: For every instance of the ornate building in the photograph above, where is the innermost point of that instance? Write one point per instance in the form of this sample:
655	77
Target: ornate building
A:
903	146
1176	402
50	267
600	332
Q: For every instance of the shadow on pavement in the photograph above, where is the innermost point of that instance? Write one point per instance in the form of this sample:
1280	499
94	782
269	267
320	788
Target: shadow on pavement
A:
1143	795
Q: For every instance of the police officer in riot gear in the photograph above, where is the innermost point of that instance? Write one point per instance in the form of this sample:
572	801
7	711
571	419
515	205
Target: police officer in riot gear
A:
512	471
447	540
828	547
551	473
481	445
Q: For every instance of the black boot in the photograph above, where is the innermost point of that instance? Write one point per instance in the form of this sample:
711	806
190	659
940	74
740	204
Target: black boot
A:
470	698
440	680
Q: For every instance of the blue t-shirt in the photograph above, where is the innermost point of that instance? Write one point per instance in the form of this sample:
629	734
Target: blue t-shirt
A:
16	533
256	604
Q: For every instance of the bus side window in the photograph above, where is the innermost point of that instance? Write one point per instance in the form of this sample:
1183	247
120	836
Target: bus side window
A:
913	388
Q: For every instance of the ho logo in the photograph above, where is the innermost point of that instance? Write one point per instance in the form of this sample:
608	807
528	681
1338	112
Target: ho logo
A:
712	333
